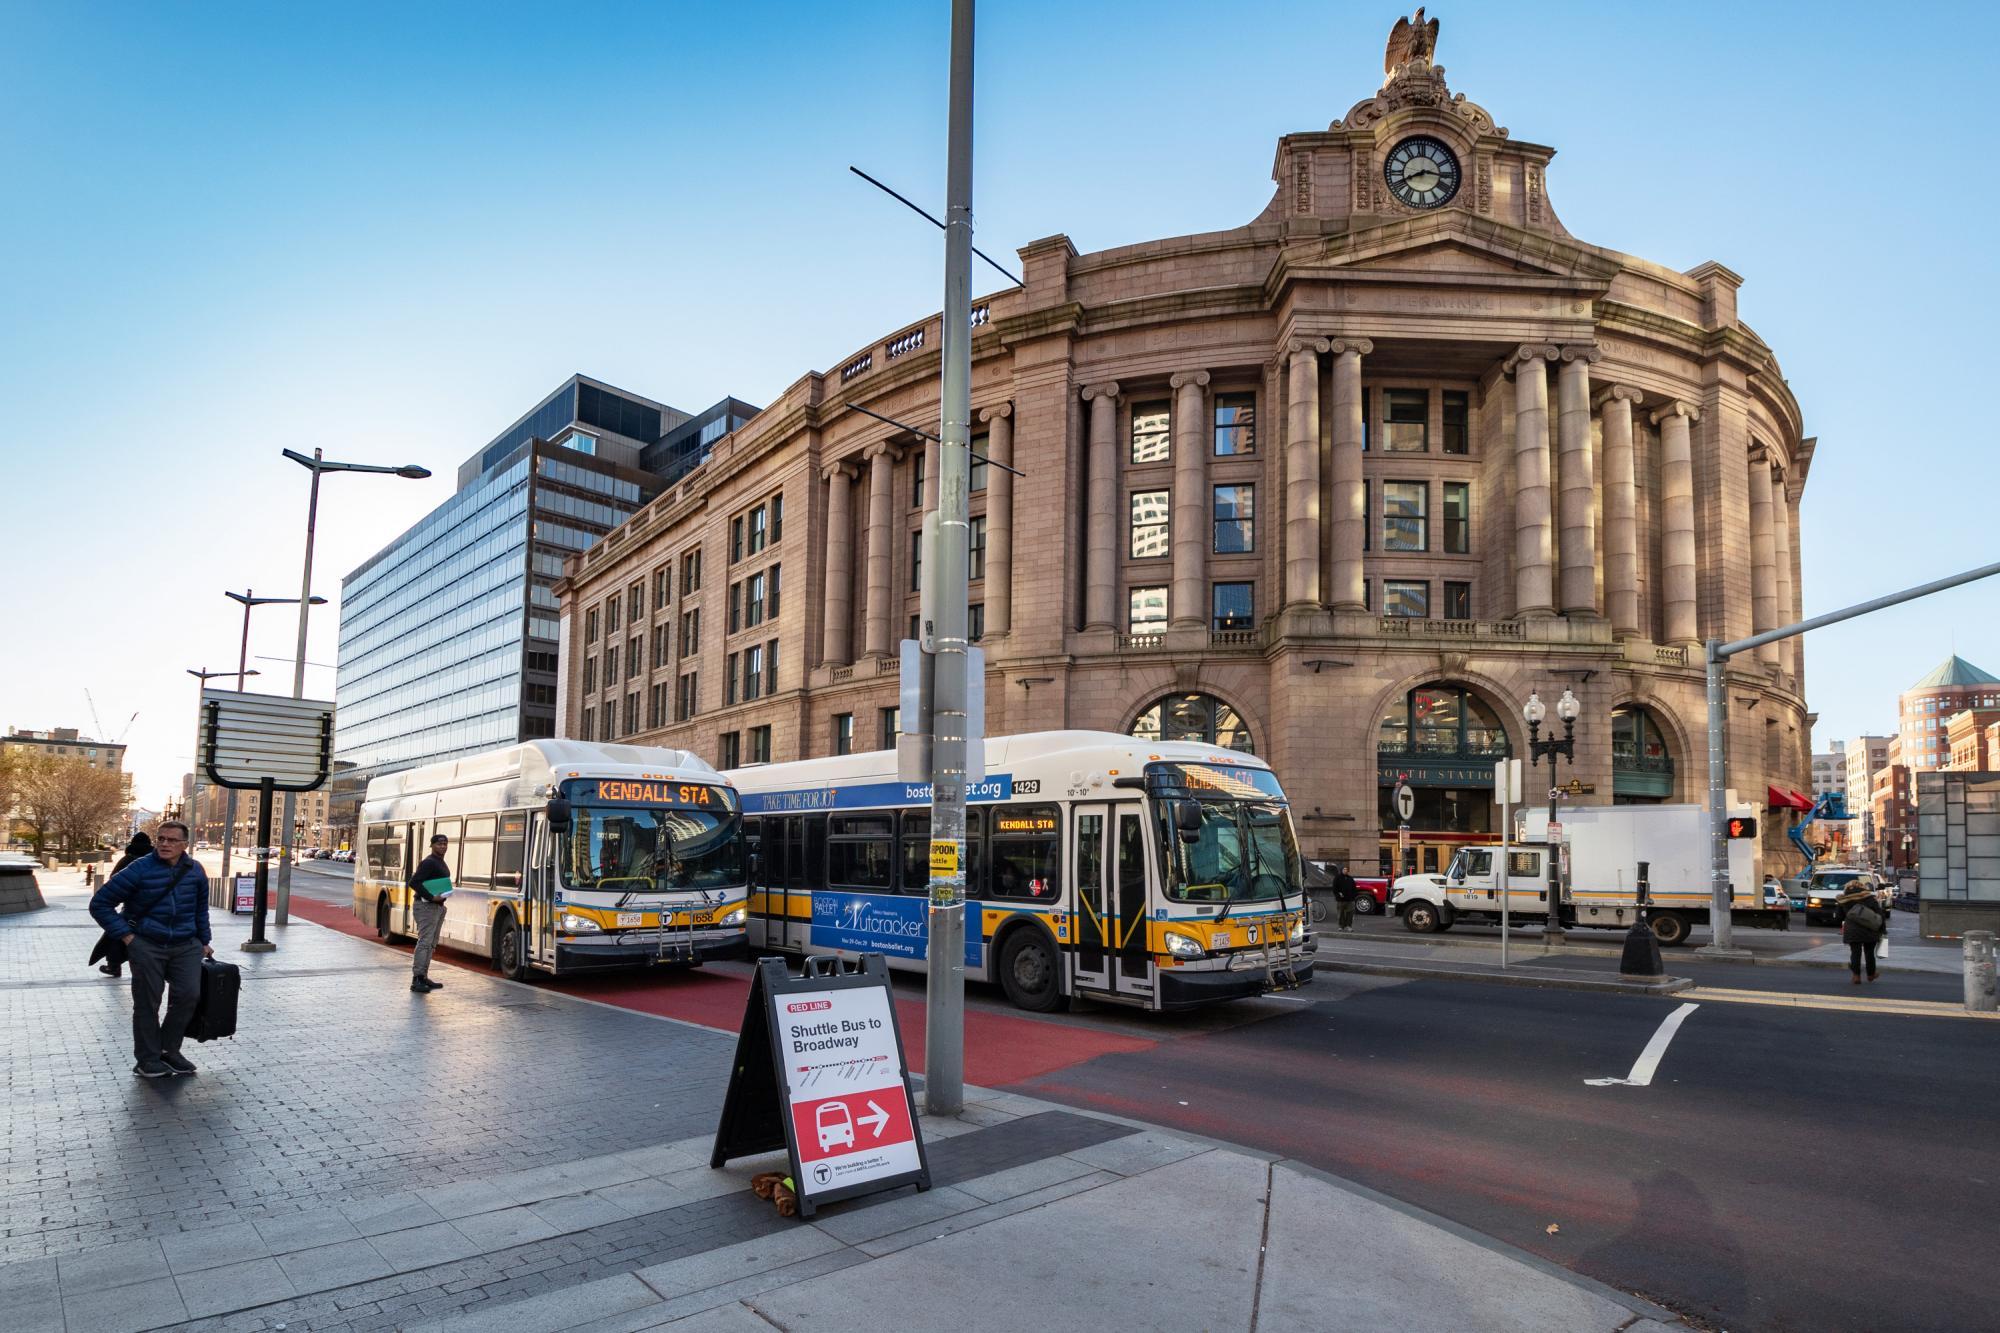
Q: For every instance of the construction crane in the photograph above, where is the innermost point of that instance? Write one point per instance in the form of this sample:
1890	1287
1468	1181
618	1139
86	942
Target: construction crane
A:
98	722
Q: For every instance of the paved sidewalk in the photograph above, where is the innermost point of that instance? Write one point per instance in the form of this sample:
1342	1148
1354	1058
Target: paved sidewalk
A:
503	1157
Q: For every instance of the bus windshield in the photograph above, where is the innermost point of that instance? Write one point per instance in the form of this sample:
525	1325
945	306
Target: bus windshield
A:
1244	850
627	849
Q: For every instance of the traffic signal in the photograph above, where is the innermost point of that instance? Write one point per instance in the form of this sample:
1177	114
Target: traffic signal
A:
1744	827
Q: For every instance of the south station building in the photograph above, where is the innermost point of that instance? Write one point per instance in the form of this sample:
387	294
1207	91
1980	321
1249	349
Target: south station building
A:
1342	486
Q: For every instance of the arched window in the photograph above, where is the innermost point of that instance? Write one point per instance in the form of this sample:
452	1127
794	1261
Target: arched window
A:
1642	770
1194	717
1439	721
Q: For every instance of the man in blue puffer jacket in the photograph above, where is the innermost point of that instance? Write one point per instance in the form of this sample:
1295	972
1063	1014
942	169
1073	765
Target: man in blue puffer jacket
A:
164	926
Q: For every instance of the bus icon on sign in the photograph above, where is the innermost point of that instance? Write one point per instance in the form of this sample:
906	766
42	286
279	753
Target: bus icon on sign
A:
835	1125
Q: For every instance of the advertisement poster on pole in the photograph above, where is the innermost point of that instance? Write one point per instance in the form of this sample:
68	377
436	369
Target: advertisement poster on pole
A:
819	1073
244	898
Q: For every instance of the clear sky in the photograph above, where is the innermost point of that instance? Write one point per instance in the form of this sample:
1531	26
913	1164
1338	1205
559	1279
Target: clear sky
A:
387	231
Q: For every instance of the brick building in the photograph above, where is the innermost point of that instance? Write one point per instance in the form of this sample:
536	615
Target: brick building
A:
1924	711
1342	485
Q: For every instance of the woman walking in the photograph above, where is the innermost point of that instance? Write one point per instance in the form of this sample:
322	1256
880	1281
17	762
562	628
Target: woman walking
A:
1862	924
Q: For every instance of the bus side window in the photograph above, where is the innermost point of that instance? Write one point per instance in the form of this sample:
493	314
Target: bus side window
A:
451	829
475	853
1025	848
510	851
860	852
815	867
776	853
753	849
795	855
975	853
916	852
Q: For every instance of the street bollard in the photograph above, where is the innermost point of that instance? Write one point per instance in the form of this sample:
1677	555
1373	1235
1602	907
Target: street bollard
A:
1979	976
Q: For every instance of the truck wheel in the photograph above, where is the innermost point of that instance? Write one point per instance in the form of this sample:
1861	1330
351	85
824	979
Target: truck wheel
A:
1422	918
1670	928
1365	904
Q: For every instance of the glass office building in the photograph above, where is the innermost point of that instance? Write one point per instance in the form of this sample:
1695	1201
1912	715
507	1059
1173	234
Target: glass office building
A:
448	636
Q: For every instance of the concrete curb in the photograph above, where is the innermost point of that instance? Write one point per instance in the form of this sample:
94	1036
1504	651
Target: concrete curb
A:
1639	1305
1595	951
1418	972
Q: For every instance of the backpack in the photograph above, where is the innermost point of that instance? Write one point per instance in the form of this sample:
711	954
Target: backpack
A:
1866	917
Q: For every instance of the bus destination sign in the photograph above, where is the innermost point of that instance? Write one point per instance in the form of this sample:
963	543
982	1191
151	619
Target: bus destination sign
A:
638	791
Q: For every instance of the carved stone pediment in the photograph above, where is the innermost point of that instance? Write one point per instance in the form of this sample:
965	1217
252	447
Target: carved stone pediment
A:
1421	87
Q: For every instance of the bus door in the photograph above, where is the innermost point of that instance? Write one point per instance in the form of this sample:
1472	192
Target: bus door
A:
1096	934
416	846
538	892
1129	898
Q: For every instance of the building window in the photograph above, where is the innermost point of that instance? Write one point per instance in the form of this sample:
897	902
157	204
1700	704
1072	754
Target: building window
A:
590	625
1406	597
685	696
916	562
663	586
890	725
729	749
656	705
611	616
735	539
760	745
916	625
753	672
1408	427
1235	512
1194	717
1441	721
1151	433
1367	421
771	667
1234	607
663	645
778	516
730	677
978	477
691	571
1457	601
589	723
635	655
760	531
975	553
1147	612
975	622
608	725
1404	522
590	675
1457	518
843	733
690	632
631	712
1457	422
1235	424
611	667
1151	512
771	581
1367	516
635	598
917	462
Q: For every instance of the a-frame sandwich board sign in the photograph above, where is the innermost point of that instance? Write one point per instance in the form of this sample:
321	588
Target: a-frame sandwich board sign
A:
819	1072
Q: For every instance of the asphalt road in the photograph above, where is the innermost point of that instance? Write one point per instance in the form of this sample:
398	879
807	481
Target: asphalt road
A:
1785	1169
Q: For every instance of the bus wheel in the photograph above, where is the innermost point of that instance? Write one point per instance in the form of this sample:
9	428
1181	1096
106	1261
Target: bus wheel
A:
1422	918
1670	928
509	948
1028	972
382	918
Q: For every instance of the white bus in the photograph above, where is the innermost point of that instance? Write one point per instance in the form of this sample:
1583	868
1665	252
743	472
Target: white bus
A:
565	856
1155	874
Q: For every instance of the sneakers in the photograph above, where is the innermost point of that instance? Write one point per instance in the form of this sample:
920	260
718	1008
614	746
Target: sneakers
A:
177	1064
152	1069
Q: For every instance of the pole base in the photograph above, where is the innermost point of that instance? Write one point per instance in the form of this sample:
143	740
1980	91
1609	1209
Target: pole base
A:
1717	951
258	946
1554	937
1641	959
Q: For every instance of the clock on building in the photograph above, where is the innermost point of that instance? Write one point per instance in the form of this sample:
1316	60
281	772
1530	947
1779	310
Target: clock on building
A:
1422	172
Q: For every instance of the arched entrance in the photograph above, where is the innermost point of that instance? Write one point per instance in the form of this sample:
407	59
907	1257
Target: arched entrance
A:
1441	739
1194	717
1642	767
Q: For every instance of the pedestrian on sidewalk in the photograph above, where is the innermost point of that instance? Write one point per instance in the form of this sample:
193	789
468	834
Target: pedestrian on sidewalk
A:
109	947
430	884
1862	924
1344	891
164	928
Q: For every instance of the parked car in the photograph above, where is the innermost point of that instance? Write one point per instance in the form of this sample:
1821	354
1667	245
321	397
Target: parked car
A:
1776	895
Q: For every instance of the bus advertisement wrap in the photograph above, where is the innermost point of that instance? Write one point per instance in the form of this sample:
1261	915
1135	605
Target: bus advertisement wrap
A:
896	924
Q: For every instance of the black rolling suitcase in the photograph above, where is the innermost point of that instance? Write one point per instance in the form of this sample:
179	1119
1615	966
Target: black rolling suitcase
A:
215	1011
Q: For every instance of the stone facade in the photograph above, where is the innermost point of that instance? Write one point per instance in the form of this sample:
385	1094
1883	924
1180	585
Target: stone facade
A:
1474	451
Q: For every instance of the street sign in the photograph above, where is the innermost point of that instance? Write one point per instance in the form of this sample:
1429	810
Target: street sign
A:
249	739
1507	781
1406	802
1555	831
245	897
1578	787
819	1073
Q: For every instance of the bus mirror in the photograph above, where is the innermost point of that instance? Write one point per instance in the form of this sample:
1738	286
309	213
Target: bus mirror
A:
1187	820
558	814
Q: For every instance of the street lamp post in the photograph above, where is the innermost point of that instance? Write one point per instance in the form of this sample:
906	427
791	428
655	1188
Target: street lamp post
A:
316	465
1536	712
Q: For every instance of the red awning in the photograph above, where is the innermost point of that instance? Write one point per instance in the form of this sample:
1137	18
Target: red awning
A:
1784	798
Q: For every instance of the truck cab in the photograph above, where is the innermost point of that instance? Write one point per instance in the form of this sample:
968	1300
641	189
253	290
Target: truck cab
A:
1469	889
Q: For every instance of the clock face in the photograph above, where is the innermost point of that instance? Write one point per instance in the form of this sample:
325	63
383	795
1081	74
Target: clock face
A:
1422	172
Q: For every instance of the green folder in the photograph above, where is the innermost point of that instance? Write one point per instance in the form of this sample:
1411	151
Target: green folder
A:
436	888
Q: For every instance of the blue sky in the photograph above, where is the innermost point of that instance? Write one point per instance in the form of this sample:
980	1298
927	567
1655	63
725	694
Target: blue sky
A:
387	231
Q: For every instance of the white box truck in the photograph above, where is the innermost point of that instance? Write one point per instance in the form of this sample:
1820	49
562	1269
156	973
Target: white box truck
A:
1605	851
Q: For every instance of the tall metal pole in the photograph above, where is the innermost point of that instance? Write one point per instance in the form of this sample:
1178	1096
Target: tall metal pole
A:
285	836
242	670
944	1032
1718	654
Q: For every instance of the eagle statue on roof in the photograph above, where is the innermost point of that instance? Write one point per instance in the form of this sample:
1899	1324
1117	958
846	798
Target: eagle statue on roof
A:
1411	39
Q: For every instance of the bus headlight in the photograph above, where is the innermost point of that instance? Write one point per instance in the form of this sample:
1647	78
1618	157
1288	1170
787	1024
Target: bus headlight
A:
735	918
570	921
1183	946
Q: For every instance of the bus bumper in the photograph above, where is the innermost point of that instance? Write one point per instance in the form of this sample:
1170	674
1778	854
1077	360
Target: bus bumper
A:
1188	988
599	952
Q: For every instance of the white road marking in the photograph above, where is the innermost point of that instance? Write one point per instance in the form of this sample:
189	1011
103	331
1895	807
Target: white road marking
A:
1649	1059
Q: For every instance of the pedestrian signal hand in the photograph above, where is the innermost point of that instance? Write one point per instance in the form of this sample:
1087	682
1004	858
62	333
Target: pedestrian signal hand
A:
1743	828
